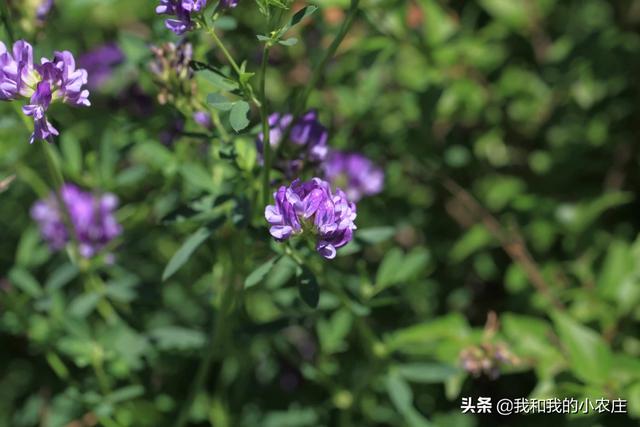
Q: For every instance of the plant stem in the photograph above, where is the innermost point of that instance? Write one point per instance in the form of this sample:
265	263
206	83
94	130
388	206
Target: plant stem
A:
58	181
215	117
248	92
319	69
264	113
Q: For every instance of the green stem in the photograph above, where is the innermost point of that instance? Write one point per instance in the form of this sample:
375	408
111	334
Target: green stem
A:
264	113
6	20
215	117
319	69
246	89
57	180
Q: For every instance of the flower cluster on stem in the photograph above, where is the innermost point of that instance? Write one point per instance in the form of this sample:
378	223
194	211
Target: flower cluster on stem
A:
91	216
52	80
310	208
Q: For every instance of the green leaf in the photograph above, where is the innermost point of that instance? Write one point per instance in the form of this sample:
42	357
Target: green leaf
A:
283	271
216	79
226	23
125	393
24	281
198	176
332	332
478	237
397	267
178	338
389	267
299	16
238	116
402	397
375	235
182	255
450	327
219	102
427	373
84	304
71	152
589	355
61	276
246	153
511	12
414	263
292	41
308	287
399	392
259	273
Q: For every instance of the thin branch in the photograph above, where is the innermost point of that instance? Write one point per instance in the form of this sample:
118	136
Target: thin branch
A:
512	242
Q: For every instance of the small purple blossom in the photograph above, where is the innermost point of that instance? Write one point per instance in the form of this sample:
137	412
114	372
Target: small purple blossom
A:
307	137
43	9
91	216
203	118
43	83
311	208
181	11
71	80
228	4
357	174
172	72
100	63
16	71
42	129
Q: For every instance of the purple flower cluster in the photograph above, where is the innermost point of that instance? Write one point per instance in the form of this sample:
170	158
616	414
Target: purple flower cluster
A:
181	11
172	72
100	63
91	216
311	208
357	174
307	139
44	83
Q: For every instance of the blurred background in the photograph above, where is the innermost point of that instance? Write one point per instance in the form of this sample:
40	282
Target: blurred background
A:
500	259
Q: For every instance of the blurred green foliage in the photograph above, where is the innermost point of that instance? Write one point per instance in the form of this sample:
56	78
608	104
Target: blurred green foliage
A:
508	130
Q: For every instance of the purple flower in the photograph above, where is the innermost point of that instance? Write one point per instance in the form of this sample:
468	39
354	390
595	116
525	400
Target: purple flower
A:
71	80
43	9
44	83
172	72
311	208
353	172
100	63
203	119
309	132
91	216
16	71
181	10
307	137
228	4
42	129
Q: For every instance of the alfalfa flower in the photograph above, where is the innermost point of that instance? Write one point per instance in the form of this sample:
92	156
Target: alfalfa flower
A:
311	209
44	83
181	11
354	172
172	72
100	63
306	142
91	216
